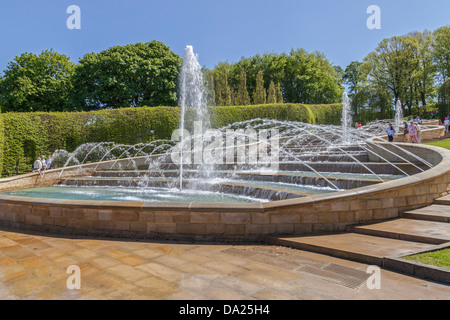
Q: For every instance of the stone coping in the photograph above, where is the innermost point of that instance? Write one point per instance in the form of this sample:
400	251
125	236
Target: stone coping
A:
441	155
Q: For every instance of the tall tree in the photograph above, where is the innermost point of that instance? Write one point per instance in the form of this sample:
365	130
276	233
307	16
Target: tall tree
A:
37	82
353	77
279	93
223	91
123	76
311	78
424	71
444	100
243	98
211	92
391	66
441	52
272	93
259	96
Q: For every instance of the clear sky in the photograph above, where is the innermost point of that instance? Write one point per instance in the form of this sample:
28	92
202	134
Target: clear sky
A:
223	30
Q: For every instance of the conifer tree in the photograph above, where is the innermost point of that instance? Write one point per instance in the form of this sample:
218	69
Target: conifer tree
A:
272	94
211	93
223	91
243	98
259	96
279	93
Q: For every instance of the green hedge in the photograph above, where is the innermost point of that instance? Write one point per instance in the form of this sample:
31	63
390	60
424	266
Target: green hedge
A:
315	114
26	136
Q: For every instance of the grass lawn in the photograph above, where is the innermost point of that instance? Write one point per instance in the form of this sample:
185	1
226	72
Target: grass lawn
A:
443	144
438	258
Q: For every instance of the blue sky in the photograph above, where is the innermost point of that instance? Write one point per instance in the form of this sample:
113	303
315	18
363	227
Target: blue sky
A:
218	30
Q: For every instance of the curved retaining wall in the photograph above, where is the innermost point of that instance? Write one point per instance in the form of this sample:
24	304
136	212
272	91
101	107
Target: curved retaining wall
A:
308	215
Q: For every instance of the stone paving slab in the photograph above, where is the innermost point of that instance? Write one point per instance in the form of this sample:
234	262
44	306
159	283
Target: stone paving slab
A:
33	266
435	212
408	229
443	201
359	247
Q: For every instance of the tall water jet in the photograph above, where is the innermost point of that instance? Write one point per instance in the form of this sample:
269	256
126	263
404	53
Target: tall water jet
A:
192	101
346	117
398	116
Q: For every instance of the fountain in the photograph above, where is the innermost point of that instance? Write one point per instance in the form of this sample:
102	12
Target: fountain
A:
304	159
309	159
191	96
346	117
398	117
212	180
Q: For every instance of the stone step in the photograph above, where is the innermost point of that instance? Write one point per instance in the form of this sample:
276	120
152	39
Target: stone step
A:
435	212
325	166
444	201
353	246
408	230
302	178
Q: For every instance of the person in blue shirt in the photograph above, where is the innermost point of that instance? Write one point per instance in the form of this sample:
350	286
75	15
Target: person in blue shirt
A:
391	132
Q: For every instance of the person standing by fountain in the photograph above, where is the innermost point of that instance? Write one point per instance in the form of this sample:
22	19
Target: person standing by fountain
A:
391	132
412	133
419	133
406	131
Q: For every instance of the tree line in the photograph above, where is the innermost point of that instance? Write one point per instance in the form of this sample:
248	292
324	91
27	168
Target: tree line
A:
412	68
147	74
297	77
122	76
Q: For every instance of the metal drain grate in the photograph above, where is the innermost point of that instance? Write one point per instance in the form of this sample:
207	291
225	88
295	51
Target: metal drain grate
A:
341	275
355	273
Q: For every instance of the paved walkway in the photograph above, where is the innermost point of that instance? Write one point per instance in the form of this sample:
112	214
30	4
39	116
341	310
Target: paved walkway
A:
414	231
33	266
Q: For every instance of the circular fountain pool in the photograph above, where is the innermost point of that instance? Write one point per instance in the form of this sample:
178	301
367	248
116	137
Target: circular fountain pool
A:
299	160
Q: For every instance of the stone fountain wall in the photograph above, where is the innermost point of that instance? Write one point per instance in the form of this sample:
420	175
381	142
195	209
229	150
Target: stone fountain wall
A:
308	215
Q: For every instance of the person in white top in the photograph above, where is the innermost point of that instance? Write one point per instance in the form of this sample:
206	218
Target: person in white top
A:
39	166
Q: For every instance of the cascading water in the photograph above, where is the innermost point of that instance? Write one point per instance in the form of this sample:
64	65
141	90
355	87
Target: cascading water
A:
192	101
312	159
346	117
306	159
398	116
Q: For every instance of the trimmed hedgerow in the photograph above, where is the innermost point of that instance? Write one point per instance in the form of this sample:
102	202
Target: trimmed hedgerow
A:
30	135
320	114
26	136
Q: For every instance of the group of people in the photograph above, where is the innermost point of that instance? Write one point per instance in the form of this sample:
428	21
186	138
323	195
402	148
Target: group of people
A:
41	164
411	130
